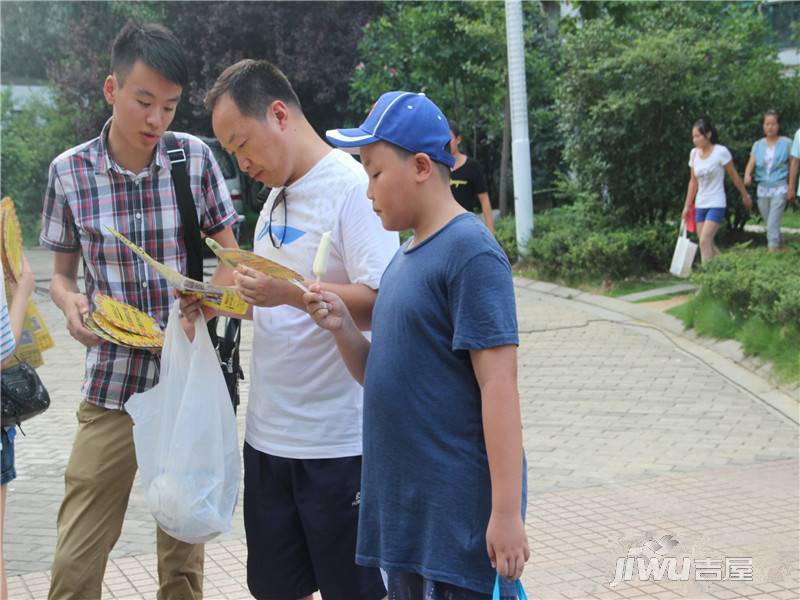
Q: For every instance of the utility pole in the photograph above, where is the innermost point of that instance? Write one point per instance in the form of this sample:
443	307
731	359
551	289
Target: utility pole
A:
520	141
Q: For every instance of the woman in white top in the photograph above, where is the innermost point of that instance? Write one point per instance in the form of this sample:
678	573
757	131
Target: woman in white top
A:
708	163
770	160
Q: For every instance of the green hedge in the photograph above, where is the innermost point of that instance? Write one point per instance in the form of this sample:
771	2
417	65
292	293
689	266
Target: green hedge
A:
756	284
578	243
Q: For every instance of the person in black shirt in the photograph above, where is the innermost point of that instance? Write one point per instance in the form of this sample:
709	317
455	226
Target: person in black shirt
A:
467	181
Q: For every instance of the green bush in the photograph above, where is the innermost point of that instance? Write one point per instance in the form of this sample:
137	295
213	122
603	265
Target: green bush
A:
634	82
756	284
505	230
33	135
582	242
752	296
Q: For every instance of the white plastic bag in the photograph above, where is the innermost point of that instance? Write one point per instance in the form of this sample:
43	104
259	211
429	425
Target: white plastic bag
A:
186	441
684	254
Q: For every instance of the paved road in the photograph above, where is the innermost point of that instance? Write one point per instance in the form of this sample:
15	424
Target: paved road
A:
631	433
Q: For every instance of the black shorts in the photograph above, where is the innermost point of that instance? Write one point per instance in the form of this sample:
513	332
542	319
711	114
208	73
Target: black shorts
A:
301	518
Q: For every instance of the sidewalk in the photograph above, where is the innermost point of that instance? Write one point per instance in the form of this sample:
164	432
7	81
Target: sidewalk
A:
632	432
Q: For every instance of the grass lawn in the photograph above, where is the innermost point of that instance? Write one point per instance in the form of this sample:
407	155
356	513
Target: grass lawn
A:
777	344
791	218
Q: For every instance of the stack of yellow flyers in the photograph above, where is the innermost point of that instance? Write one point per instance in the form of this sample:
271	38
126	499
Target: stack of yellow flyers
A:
123	325
35	337
233	257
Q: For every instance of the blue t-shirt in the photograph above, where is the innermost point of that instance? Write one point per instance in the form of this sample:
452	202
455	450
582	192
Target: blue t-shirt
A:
425	491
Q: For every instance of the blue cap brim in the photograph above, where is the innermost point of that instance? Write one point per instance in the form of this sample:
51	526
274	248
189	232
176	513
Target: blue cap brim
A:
350	138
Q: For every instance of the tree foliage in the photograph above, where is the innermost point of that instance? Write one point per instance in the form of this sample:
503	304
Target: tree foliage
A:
455	52
633	84
23	170
314	43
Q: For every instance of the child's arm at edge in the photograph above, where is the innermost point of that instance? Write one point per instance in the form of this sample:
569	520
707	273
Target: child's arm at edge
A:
506	540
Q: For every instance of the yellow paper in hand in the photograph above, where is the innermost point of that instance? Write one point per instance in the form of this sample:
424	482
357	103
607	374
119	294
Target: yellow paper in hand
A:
40	332
234	257
127	338
12	240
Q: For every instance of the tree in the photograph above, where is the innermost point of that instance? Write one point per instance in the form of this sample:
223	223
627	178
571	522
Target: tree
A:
25	157
313	42
455	52
630	92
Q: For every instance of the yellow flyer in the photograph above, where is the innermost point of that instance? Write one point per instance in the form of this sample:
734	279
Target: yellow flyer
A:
40	332
127	338
11	240
215	296
126	317
234	257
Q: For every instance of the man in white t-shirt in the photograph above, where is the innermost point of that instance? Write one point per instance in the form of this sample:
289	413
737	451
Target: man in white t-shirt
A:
302	452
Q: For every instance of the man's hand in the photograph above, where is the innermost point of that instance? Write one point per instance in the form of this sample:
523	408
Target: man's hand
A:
259	289
507	544
75	306
192	307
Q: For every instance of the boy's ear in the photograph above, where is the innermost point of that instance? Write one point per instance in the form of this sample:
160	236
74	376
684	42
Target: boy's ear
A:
423	166
110	88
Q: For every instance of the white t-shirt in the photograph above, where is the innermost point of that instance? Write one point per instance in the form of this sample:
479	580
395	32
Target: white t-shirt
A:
710	174
303	402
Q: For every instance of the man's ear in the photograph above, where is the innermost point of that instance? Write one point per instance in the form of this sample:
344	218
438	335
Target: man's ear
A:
423	166
279	112
110	88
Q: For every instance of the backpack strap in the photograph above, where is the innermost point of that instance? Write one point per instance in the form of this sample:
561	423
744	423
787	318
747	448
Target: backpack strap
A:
186	207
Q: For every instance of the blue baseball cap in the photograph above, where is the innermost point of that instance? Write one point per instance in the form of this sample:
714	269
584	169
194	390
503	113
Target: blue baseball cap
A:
405	119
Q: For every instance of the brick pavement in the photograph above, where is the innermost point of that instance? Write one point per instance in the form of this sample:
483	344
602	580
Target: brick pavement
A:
630	434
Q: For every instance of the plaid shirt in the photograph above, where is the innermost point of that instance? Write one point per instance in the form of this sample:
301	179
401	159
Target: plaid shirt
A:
86	192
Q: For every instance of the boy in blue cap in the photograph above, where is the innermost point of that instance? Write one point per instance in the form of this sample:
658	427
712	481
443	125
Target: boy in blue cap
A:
442	476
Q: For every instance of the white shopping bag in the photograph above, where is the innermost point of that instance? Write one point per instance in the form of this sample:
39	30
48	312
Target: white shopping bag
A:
685	251
186	442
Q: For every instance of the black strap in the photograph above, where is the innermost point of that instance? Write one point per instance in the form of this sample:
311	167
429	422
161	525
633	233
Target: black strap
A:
228	348
186	207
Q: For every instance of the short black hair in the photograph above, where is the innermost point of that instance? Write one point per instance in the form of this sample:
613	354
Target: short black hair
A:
441	168
253	85
771	113
155	46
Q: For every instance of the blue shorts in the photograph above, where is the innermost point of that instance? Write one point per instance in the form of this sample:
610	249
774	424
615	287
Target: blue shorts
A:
301	519
717	214
9	472
411	586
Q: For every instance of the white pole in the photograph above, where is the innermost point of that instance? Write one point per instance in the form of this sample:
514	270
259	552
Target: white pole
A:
520	142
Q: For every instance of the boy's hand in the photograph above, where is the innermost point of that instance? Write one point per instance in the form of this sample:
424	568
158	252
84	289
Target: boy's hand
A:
507	544
326	308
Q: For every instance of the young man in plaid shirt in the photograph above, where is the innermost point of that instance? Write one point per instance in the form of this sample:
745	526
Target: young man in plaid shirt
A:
123	179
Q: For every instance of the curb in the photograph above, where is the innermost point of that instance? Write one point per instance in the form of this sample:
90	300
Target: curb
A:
724	356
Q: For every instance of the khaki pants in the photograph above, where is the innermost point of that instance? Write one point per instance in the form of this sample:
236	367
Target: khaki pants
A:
98	482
